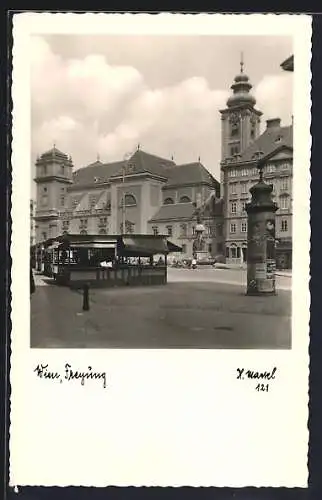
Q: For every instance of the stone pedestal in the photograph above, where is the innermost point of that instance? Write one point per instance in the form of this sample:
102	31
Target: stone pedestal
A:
261	262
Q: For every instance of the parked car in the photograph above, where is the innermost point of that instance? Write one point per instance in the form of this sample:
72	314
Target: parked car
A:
206	262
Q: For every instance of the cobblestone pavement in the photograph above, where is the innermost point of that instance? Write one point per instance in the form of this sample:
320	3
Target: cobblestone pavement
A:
185	313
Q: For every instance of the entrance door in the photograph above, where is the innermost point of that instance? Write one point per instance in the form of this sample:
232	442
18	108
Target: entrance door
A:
244	250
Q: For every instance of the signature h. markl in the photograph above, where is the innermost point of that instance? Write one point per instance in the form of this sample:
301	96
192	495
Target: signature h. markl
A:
70	374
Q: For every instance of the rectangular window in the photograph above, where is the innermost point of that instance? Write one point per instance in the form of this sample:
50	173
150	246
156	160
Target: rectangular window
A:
155	230
244	187
233	188
270	168
219	229
233	252
62	201
44	200
209	248
284	225
243	206
169	230
233	228
244	227
233	207
284	202
284	184
285	166
183	230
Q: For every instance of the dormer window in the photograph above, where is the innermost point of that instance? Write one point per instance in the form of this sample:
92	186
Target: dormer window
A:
184	199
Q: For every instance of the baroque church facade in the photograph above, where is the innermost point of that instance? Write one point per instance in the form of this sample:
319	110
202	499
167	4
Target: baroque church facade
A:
146	194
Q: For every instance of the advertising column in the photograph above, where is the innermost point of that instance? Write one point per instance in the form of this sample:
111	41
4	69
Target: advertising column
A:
261	263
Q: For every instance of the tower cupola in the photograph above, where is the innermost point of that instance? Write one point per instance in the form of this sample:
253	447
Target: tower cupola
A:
241	90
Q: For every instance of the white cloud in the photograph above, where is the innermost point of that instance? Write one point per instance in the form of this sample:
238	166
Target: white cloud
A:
274	95
88	106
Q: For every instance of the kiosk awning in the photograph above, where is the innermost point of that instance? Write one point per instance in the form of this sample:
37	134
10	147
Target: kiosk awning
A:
93	244
56	244
173	248
143	246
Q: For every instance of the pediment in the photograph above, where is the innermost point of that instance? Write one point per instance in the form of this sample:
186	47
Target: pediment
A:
284	153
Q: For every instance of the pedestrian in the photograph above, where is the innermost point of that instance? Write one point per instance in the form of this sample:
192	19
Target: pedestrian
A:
194	263
32	282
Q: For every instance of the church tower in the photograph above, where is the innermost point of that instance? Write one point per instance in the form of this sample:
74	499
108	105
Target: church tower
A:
53	176
240	119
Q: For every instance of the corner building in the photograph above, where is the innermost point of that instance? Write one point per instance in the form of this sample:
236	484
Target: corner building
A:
146	194
242	145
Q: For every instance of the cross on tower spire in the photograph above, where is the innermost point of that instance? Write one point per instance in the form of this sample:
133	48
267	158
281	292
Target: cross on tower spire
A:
241	62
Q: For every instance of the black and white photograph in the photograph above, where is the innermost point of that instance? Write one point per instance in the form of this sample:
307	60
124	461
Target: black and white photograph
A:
156	176
160	250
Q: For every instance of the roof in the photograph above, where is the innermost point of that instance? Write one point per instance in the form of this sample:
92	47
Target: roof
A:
54	152
97	170
174	211
273	138
288	64
190	173
140	162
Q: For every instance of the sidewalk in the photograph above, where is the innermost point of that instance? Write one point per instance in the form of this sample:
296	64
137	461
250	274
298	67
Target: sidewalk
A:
178	315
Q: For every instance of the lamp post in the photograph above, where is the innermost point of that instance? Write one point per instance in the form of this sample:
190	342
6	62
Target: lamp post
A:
261	260
126	158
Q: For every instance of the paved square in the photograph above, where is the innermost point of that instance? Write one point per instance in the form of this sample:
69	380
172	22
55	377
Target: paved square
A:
189	312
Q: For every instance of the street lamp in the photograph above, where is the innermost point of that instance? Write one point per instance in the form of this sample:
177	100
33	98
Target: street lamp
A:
126	158
261	260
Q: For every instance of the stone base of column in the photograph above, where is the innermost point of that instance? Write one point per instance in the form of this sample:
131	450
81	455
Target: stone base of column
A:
255	293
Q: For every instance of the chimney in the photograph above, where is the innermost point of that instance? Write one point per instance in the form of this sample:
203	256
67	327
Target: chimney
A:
273	123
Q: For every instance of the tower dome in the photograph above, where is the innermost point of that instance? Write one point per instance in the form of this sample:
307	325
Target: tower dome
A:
241	90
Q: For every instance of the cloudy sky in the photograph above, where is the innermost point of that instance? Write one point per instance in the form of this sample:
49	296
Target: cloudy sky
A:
102	95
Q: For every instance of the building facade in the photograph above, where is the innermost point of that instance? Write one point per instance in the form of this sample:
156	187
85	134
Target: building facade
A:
32	208
145	194
242	146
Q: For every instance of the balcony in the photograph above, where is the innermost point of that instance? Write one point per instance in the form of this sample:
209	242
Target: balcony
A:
46	213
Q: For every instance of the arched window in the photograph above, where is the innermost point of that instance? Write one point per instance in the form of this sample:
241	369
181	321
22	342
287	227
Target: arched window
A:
234	129
83	232
129	200
168	201
184	199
